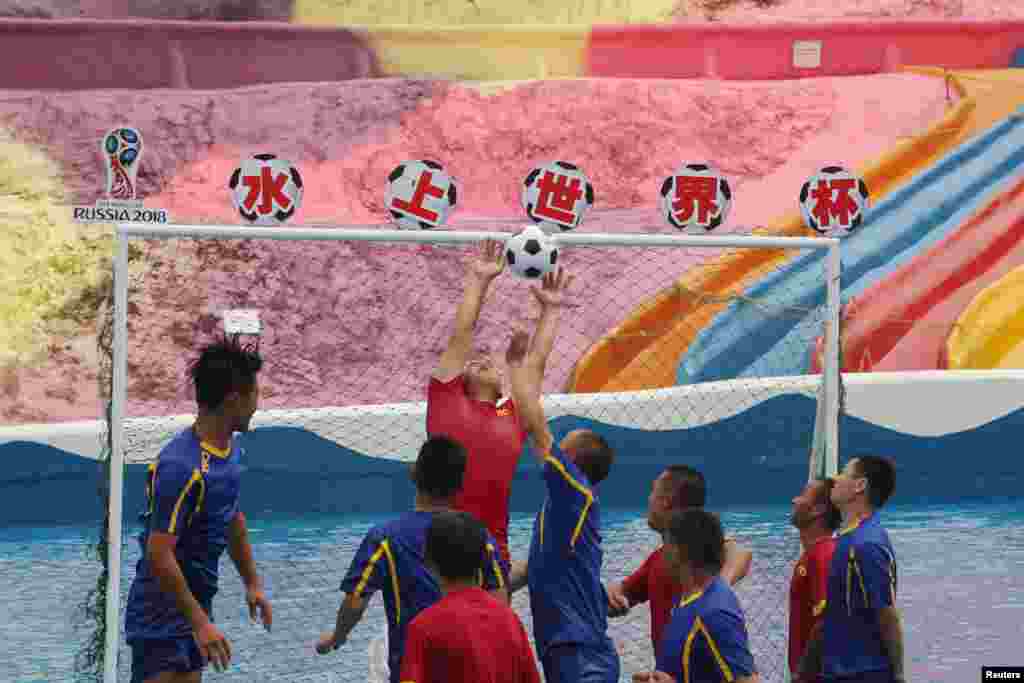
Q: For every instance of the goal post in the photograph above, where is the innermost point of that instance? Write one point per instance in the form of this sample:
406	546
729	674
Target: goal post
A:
681	407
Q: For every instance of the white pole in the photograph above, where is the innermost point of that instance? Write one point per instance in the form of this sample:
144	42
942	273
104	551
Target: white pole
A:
832	369
369	233
118	397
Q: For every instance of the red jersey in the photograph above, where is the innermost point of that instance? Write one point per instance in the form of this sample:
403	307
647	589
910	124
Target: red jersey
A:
807	595
468	636
652	582
493	437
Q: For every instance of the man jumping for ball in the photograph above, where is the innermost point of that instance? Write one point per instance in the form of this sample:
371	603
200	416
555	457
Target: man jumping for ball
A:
567	600
465	401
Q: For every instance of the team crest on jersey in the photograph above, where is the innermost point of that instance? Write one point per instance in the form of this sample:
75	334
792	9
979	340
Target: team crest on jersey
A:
204	467
802	570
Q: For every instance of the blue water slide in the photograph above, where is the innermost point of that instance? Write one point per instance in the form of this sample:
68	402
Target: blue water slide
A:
749	339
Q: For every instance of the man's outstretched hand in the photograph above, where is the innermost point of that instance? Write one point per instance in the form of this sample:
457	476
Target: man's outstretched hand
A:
552	290
489	262
517	348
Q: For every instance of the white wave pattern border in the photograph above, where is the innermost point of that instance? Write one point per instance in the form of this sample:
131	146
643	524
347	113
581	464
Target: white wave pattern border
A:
922	404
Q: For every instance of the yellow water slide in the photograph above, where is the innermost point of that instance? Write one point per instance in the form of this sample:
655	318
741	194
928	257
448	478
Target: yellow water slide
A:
990	331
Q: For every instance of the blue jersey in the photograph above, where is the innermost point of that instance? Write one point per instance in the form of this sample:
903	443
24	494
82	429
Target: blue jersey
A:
861	581
567	599
706	640
191	492
391	559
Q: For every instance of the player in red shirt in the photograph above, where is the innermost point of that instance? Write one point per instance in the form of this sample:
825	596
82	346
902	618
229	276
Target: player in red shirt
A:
468	635
679	487
465	400
817	518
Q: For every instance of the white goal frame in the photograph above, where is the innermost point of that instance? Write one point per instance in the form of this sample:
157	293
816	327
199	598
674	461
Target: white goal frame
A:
369	233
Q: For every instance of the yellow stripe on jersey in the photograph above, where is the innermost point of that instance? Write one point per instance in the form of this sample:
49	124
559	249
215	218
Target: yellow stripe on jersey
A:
385	551
818	609
151	490
199	500
687	599
854	567
586	493
181	499
541	523
699	628
213	450
496	567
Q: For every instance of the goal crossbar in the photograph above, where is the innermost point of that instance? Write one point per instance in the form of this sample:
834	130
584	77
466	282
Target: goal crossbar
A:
370	233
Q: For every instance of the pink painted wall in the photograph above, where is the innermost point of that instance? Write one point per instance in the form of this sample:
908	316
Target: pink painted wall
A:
91	54
753	52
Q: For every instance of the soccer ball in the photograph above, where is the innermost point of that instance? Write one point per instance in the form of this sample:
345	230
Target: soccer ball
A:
122	148
699	184
420	195
531	253
266	190
557	195
844	206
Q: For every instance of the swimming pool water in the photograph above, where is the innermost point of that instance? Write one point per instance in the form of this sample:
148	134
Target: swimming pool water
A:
961	592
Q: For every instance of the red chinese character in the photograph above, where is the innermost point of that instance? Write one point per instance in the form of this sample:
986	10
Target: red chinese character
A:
557	198
842	208
697	192
268	188
415	205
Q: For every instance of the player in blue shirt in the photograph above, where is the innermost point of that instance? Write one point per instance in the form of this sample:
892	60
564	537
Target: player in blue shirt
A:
860	637
391	557
567	599
192	516
706	640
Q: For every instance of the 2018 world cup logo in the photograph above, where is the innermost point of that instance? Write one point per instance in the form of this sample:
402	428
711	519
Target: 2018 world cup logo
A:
122	151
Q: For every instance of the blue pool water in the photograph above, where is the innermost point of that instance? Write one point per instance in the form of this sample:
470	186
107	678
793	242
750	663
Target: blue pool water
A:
961	592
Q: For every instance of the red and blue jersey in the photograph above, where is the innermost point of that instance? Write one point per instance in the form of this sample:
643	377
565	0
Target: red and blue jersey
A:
391	560
706	640
861	581
192	492
567	599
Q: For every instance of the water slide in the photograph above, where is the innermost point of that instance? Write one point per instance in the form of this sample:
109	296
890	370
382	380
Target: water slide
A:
990	331
909	332
631	357
745	342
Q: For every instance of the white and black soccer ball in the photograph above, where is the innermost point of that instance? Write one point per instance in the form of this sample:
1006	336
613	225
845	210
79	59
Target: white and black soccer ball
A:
845	203
695	199
266	190
420	195
531	253
557	196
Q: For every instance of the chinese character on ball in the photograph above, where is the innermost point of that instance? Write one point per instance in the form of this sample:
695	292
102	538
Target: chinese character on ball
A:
531	253
833	201
696	198
420	195
266	190
557	195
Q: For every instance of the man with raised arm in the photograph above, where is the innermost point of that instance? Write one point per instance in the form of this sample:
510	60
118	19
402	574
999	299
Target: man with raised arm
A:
465	402
191	517
567	600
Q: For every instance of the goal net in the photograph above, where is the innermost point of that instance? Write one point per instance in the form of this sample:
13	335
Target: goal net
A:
679	349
